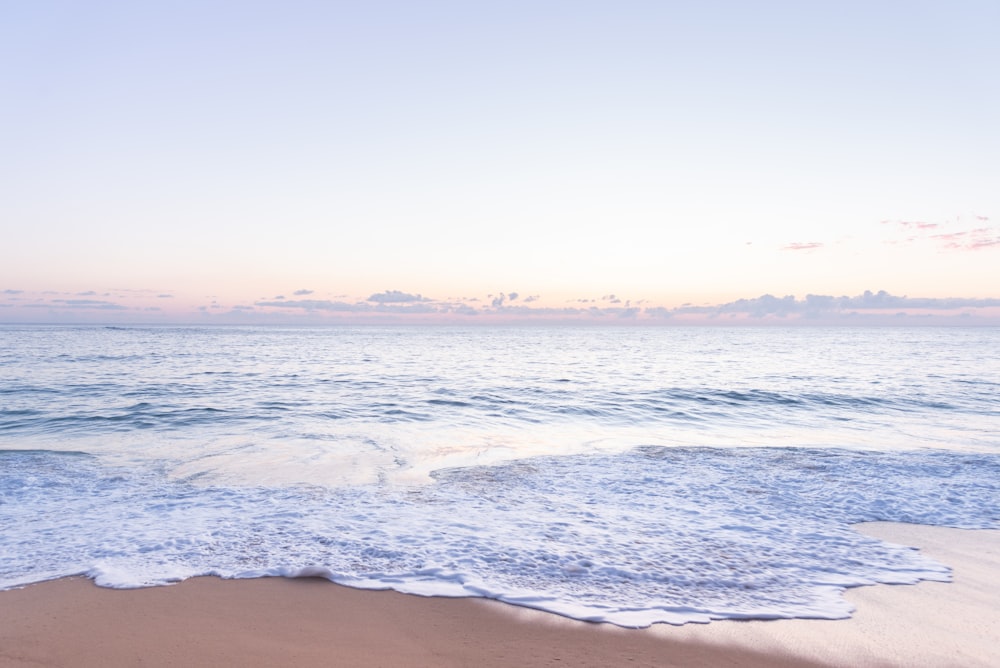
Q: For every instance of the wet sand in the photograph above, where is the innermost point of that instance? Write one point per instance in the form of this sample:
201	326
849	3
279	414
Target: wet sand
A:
307	622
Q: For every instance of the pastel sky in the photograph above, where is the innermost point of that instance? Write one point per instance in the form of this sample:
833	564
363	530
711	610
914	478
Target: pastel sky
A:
659	161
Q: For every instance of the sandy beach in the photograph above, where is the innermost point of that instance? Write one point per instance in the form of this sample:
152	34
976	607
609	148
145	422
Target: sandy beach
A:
308	622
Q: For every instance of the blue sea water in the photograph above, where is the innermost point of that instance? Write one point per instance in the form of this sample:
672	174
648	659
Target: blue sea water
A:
627	475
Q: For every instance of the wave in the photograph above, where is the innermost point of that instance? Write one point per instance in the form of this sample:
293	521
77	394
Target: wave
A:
83	407
657	534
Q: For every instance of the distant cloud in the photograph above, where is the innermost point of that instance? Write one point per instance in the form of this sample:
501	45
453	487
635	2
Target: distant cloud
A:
87	304
512	296
412	308
544	312
799	246
983	237
613	312
88	293
813	306
883	299
316	305
660	312
878	307
757	307
913	224
302	293
392	306
394	297
966	238
142	292
463	309
164	296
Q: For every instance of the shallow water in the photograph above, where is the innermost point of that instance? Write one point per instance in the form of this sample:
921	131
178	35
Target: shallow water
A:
614	474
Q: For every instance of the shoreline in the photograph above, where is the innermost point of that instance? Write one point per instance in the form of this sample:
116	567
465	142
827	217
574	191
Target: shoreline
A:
311	622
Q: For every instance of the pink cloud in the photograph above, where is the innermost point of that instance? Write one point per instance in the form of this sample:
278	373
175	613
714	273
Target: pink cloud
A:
808	245
979	238
968	239
918	224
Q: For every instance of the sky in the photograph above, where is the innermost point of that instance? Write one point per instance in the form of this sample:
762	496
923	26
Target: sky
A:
628	161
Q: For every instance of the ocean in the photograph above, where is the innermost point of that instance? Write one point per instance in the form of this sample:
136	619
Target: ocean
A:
624	475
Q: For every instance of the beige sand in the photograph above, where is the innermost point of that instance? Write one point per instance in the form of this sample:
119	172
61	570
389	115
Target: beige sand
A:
276	622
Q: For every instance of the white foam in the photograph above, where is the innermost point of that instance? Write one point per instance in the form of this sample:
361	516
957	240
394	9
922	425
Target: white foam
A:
654	535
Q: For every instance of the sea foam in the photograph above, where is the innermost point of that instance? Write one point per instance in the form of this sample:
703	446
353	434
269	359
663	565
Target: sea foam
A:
657	534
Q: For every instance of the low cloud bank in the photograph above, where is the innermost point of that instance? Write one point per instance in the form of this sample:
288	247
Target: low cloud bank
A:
825	305
868	308
395	297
